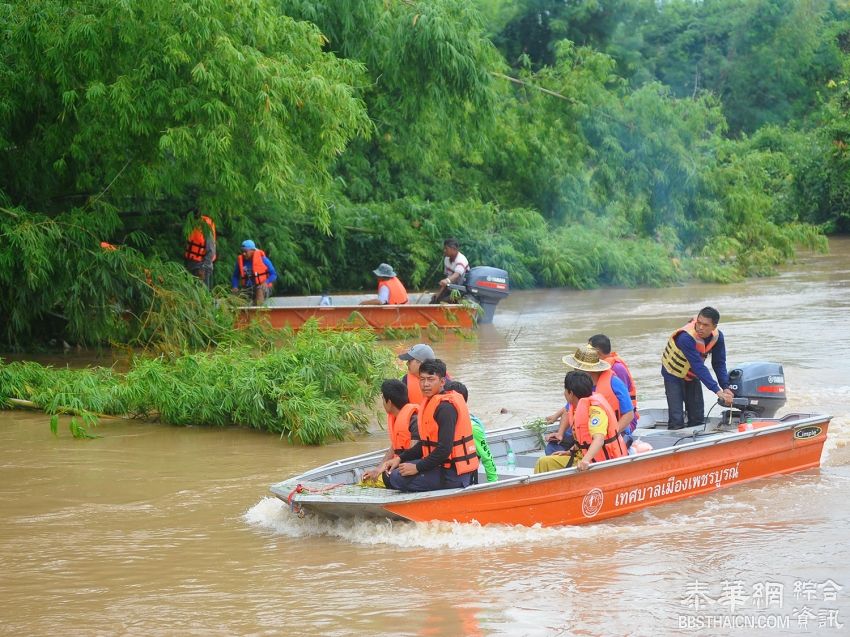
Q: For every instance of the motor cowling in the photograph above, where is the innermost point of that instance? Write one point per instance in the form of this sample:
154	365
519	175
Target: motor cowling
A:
487	286
759	389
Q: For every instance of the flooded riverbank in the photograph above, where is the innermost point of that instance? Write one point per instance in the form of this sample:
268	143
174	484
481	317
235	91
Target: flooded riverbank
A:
156	530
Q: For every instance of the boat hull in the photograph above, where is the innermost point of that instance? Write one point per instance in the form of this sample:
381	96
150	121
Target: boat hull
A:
688	464
377	317
623	487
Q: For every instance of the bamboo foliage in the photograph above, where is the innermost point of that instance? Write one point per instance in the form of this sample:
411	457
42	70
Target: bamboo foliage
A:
315	387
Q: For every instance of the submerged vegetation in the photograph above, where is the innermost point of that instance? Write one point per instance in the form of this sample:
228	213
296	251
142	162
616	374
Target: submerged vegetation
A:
314	387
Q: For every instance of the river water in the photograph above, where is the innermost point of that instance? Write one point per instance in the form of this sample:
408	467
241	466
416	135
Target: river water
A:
157	530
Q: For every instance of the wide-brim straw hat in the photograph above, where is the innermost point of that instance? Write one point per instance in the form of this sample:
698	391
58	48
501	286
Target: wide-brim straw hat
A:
384	270
586	359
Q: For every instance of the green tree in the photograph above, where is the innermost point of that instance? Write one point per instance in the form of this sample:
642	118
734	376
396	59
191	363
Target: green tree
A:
156	105
428	95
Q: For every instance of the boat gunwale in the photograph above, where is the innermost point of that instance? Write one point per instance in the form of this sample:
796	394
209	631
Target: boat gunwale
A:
710	439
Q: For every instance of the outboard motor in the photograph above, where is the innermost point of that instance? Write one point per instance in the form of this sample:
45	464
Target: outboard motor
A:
487	286
759	389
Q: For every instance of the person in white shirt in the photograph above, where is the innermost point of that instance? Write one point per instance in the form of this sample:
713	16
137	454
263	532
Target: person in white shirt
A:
455	267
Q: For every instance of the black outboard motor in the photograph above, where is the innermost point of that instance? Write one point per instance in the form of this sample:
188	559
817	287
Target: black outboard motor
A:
487	286
759	389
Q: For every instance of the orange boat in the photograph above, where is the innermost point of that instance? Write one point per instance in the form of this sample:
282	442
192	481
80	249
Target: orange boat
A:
346	314
480	292
683	463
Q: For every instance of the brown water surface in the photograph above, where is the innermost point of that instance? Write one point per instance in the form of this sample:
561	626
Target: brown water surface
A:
157	530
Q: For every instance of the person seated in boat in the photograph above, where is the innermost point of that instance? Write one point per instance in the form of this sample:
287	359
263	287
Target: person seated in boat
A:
445	455
602	345
561	440
390	289
606	383
684	371
586	359
402	425
455	267
414	357
594	428
478	433
254	274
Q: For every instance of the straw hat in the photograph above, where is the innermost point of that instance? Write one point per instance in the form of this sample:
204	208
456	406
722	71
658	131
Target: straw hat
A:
586	359
384	271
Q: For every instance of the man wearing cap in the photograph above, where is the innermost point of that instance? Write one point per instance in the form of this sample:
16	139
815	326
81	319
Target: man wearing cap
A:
455	267
254	273
684	371
586	359
445	456
390	289
414	357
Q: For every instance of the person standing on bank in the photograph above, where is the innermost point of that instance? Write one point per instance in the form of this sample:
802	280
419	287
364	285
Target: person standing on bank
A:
445	456
200	253
684	371
254	273
390	289
455	267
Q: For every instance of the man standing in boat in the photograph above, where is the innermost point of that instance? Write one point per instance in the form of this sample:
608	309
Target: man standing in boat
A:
390	289
445	456
684	371
455	267
254	273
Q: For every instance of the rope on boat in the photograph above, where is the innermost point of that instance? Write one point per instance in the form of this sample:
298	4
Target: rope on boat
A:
300	488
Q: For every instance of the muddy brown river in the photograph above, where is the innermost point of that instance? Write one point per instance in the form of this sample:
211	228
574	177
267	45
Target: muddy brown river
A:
157	530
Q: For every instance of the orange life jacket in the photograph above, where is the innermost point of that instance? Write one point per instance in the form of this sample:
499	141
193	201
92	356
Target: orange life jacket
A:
603	387
398	295
674	359
463	457
398	427
614	446
414	391
196	244
612	358
260	273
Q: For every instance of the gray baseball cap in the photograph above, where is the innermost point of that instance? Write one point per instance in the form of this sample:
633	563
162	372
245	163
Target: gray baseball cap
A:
420	352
